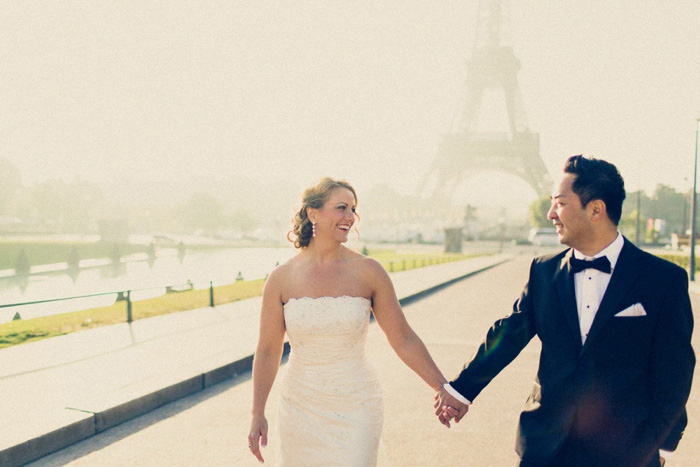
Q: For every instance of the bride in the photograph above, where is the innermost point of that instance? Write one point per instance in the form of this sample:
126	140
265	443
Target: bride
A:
330	407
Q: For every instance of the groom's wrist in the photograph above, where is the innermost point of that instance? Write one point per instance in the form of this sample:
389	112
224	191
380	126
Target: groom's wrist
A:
453	392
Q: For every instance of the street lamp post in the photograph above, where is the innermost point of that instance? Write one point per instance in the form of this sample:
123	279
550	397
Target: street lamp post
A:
684	230
636	224
692	215
637	240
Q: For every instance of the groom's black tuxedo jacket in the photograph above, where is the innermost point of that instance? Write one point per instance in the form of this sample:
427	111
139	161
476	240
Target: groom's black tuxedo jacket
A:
619	397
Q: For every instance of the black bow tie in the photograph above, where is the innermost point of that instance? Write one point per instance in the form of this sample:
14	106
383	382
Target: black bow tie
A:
602	264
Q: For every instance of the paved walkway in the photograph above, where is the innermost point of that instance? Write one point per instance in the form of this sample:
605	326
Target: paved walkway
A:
62	390
209	428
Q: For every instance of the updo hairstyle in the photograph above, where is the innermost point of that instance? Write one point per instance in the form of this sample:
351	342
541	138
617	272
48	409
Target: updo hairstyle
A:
314	197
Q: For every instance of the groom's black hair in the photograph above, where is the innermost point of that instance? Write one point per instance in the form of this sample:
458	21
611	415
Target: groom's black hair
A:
597	179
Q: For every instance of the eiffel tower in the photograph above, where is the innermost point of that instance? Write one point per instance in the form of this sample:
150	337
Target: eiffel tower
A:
465	151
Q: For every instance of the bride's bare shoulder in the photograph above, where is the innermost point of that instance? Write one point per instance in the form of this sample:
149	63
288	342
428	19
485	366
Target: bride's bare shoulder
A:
366	264
285	270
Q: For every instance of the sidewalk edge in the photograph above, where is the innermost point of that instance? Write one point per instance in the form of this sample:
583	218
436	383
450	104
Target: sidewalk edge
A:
101	420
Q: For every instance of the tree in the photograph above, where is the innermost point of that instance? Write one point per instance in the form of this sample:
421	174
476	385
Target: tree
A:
201	211
667	204
538	213
73	206
243	220
10	182
628	220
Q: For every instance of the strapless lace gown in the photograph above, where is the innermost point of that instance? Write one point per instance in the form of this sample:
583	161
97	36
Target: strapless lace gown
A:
330	408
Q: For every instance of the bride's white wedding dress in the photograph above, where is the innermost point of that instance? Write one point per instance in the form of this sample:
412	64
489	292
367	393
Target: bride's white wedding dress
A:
330	408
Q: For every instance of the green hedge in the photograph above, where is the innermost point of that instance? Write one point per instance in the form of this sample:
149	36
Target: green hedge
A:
682	261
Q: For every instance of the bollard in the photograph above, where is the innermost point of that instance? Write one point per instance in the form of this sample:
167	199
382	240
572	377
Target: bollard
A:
211	294
403	265
128	307
391	266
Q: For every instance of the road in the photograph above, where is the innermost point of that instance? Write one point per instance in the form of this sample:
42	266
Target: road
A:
210	427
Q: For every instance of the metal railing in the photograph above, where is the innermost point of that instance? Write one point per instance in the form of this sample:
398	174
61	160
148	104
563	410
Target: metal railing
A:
392	266
125	295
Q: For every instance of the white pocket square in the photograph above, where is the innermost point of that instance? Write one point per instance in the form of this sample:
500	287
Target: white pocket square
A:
635	310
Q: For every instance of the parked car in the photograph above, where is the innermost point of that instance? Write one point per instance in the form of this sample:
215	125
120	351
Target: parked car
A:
544	236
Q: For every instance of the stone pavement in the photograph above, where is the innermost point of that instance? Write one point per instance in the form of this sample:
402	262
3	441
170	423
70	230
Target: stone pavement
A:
209	428
59	391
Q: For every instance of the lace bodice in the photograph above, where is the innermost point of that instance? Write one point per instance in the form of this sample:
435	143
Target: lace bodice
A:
327	330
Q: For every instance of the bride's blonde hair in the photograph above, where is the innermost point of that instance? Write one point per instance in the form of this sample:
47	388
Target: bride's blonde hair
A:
314	197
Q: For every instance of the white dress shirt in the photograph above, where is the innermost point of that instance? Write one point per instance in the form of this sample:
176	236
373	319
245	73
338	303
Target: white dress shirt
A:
590	284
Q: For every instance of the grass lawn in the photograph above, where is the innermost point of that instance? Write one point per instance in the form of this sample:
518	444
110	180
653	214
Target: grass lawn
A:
20	331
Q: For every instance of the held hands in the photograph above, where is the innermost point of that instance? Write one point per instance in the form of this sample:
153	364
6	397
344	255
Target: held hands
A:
448	408
258	433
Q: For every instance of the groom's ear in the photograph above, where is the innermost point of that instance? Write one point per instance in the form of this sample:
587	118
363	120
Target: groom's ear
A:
597	208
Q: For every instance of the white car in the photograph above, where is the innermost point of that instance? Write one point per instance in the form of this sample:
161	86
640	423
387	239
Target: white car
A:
543	237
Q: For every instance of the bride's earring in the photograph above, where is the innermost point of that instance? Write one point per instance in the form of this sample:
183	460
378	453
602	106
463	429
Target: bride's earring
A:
313	229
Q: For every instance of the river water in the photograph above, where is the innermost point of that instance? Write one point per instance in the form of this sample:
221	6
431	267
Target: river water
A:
146	277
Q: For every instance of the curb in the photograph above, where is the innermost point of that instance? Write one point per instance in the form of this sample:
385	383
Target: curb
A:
436	288
80	421
72	424
61	429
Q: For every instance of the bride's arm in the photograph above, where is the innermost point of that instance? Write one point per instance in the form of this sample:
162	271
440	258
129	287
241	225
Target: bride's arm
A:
405	342
267	358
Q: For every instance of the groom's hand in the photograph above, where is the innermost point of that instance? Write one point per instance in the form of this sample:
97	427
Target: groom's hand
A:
448	408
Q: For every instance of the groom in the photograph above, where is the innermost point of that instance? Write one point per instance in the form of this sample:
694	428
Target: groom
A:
615	324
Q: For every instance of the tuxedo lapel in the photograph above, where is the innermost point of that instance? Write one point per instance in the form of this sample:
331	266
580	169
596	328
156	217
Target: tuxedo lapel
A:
623	276
567	296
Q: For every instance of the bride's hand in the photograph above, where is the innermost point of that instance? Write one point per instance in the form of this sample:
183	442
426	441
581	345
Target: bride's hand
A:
258	433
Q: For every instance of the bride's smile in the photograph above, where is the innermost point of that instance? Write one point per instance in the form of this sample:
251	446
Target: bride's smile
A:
337	216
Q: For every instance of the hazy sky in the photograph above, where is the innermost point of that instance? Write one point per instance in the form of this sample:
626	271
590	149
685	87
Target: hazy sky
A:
360	90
